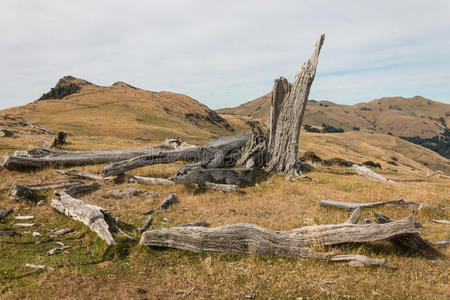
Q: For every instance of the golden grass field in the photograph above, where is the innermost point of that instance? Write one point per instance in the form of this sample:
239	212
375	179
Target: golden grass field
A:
91	270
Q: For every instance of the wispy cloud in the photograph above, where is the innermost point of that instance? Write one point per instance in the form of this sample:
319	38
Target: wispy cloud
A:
225	53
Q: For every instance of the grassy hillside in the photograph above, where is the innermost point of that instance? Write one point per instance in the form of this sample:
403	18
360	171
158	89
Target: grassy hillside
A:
398	116
121	110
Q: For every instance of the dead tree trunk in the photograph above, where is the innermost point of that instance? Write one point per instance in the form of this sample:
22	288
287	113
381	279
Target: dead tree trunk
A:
286	116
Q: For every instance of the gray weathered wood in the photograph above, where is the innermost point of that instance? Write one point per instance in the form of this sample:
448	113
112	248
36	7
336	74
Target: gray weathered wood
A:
83	189
226	188
441	244
6	133
146	225
201	223
42	267
5	212
21	192
286	116
366	172
254	154
150	180
359	260
165	204
249	238
24	224
441	221
81	175
56	250
91	215
214	154
62	232
409	241
55	185
24	217
226	176
349	206
354	218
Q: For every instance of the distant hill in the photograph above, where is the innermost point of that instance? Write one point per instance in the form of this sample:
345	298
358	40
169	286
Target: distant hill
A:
80	107
397	116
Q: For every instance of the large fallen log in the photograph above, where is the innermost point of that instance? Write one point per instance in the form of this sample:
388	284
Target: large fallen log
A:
40	158
91	215
349	206
366	172
249	238
224	176
218	153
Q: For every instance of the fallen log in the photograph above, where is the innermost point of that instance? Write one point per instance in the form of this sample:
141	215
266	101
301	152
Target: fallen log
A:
249	238
62	232
226	188
55	250
55	186
24	224
41	129
366	172
149	180
83	189
24	217
5	212
407	241
146	225
91	215
9	233
40	158
81	175
441	244
41	267
359	260
226	176
217	153
19	192
354	218
165	204
349	206
201	223
441	221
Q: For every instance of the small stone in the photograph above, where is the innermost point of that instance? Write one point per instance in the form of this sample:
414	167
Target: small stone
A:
125	193
36	234
151	193
141	291
165	220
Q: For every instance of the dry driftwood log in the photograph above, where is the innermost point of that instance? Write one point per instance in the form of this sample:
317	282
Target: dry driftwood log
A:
24	217
21	192
56	250
81	175
366	172
227	176
5	212
42	267
125	193
249	238
165	204
286	116
441	221
219	152
349	206
55	185
146	225
149	180
359	260
40	158
24	224
201	223
62	232
354	218
226	188
407	241
91	215
40	128
441	244
83	189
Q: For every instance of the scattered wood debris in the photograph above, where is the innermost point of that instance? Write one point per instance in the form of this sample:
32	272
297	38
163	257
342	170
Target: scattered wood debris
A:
24	224
441	221
24	217
62	232
349	206
146	224
80	175
165	204
55	185
56	250
354	218
366	172
359	260
226	188
149	180
91	215
41	267
6	133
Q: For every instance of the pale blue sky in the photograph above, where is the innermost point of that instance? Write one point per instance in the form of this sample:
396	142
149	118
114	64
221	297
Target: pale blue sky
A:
224	53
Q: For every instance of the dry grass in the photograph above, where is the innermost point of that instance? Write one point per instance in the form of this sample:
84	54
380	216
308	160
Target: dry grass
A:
91	270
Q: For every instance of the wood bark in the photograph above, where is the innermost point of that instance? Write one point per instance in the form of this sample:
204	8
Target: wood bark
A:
5	212
146	225
441	221
67	184
80	175
286	116
354	218
225	176
19	192
349	206
366	172
249	238
40	158
91	215
6	133
218	153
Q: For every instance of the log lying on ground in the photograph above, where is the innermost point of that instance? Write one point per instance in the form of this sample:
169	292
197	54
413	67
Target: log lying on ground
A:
81	175
5	212
286	116
354	218
83	189
165	204
42	267
226	188
226	176
349	206
366	172
441	244
201	223
56	250
62	232
41	129
149	180
40	158
249	238
146	225
359	260
91	215
55	185
407	241
217	153
441	221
